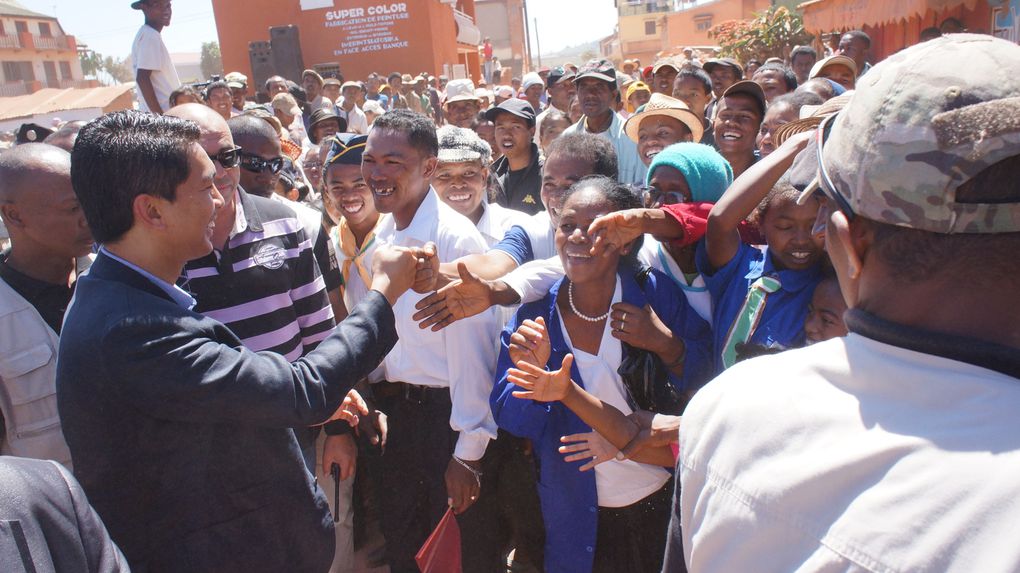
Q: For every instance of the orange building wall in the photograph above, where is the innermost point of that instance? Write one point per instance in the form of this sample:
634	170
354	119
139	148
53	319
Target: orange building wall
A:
682	27
888	39
430	33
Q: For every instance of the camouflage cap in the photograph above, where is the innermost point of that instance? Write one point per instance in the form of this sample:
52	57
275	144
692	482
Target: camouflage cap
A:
923	122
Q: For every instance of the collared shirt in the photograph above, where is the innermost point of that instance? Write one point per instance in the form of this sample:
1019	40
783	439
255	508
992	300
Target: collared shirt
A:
892	449
178	295
354	288
570	497
49	300
782	322
630	166
322	247
654	255
496	221
460	357
357	121
265	285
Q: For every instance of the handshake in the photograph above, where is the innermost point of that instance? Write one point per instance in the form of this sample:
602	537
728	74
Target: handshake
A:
397	269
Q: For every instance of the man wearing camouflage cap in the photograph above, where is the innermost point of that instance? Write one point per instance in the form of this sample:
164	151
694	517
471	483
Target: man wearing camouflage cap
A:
894	448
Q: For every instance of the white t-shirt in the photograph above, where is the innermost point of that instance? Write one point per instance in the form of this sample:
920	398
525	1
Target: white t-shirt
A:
852	455
149	53
619	483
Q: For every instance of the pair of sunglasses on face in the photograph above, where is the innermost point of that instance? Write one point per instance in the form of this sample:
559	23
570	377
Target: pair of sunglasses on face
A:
230	158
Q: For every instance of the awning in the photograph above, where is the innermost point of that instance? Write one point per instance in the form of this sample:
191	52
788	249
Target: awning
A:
830	15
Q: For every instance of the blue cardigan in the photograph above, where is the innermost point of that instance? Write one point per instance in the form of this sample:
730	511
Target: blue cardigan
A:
568	496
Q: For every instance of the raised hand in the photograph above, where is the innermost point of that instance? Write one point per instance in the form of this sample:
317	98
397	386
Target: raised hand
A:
530	343
393	271
615	230
589	446
540	385
350	409
462	298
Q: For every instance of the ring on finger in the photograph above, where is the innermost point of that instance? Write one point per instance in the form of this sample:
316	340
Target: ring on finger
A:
624	317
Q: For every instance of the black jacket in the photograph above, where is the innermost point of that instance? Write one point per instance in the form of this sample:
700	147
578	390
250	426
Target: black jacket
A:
526	193
180	435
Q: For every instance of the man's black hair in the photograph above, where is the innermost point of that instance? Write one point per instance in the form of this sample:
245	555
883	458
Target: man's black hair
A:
803	51
123	155
822	84
858	35
212	86
930	33
788	76
797	100
696	74
420	130
248	127
393	75
272	80
589	148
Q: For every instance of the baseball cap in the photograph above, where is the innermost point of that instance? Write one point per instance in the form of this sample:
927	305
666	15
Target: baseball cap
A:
460	90
660	104
558	73
519	107
836	60
457	145
504	91
727	62
346	149
599	69
331	82
236	78
750	88
350	84
137	5
913	133
532	79
665	63
286	103
314	74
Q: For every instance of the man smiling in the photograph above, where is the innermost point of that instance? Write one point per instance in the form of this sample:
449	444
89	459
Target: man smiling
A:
518	173
741	110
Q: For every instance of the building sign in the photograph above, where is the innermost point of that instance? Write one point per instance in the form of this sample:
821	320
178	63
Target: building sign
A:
1006	21
366	29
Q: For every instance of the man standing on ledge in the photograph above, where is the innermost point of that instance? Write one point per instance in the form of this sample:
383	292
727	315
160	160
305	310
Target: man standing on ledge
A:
179	434
154	72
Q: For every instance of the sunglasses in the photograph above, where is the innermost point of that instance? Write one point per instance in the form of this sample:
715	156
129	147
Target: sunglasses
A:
256	164
653	198
825	182
227	158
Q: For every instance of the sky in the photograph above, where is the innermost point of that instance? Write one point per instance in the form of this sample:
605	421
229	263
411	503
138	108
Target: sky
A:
109	26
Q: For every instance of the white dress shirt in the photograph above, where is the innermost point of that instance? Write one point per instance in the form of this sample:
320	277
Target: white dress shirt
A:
496	221
462	356
357	121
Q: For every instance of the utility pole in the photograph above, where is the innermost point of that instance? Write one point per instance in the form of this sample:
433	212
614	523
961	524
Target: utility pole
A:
527	34
538	44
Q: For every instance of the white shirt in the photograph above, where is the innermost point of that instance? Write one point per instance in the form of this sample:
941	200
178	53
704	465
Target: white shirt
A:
852	455
357	121
462	356
652	254
355	289
631	168
496	221
619	483
149	53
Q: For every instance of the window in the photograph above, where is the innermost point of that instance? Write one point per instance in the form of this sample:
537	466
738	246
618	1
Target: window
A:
703	23
44	30
65	70
649	27
18	71
21	27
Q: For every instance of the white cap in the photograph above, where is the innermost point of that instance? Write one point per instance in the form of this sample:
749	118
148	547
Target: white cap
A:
460	90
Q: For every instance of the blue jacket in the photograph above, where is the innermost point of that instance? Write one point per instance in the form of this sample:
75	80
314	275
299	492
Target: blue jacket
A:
180	435
568	496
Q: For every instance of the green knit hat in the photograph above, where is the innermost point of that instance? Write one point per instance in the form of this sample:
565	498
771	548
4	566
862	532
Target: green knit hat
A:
707	173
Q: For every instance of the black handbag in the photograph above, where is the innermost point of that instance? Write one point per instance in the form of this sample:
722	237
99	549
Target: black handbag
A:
646	378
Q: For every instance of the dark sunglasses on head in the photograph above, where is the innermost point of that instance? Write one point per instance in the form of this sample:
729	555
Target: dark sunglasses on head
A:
227	158
256	164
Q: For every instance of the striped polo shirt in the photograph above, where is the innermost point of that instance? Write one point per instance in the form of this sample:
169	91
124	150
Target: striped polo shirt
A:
265	285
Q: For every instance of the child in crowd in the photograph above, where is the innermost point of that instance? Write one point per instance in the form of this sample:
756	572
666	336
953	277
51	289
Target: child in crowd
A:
825	313
761	294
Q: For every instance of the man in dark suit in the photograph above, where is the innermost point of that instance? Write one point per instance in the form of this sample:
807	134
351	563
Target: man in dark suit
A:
178	433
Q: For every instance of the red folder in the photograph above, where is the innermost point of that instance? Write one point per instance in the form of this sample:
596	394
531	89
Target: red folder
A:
441	551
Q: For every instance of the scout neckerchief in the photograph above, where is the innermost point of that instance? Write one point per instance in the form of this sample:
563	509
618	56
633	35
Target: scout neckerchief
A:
748	316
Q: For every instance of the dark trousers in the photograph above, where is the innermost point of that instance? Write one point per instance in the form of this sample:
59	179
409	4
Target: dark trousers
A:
507	515
410	474
632	539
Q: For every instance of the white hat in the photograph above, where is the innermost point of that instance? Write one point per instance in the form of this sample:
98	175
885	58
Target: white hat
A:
460	90
457	145
531	79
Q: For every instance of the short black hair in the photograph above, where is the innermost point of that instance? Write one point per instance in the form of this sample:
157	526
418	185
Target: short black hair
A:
696	74
930	33
593	149
858	35
823	84
122	155
620	196
392	76
212	86
248	127
803	51
420	130
788	76
186	89
797	100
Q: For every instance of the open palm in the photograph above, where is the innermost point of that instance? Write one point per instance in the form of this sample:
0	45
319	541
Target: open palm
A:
539	384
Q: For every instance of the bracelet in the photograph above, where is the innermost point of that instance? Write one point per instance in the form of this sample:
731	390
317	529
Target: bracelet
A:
476	473
680	359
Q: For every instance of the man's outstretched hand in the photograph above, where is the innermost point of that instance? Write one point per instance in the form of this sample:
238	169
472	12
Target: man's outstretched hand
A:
462	298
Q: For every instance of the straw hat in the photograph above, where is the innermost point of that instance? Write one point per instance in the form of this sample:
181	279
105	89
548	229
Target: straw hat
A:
810	117
836	60
661	104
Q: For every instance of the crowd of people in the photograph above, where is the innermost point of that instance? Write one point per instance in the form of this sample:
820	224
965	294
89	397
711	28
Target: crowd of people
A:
699	316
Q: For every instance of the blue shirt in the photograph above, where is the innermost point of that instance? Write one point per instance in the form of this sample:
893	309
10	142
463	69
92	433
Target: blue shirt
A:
178	295
568	496
516	243
782	323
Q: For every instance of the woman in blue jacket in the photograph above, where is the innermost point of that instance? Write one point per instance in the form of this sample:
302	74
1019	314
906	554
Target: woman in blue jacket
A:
606	313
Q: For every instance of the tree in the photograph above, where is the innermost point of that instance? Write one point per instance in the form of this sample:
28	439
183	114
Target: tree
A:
212	61
772	33
108	70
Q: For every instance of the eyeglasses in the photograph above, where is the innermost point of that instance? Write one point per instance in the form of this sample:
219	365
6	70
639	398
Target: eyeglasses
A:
653	198
227	158
824	180
256	164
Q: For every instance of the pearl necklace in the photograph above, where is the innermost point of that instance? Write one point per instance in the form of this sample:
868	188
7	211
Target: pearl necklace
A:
570	299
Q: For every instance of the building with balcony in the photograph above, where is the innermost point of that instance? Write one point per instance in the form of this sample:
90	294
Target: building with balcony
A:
640	29
35	53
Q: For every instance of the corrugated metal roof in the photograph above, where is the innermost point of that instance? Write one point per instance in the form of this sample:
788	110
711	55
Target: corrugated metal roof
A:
55	100
10	8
